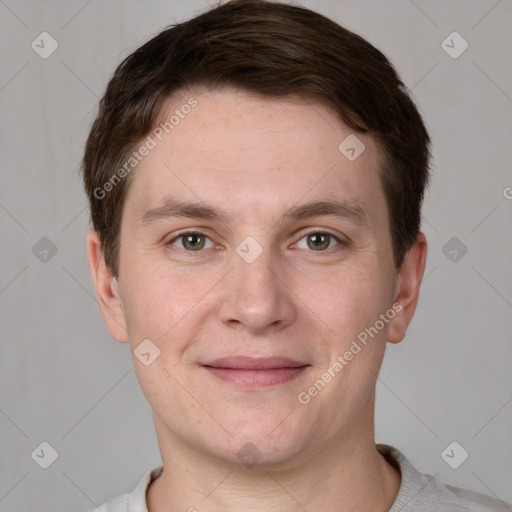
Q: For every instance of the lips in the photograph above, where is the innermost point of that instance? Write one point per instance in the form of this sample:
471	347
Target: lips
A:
254	363
250	372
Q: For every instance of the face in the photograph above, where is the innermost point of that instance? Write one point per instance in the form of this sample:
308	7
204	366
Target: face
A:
256	258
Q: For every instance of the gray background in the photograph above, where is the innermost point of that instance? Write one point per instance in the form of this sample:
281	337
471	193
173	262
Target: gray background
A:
64	381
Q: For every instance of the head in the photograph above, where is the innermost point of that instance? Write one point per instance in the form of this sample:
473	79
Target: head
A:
289	150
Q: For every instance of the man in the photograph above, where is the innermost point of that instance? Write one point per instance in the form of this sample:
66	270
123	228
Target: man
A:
255	177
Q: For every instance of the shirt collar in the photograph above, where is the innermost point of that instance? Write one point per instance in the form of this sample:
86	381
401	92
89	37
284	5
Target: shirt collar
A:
138	498
411	485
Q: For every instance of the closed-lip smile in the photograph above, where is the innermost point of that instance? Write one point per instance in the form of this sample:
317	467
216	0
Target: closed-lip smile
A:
255	372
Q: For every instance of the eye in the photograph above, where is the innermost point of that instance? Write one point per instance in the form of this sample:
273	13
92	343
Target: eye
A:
195	241
192	241
318	241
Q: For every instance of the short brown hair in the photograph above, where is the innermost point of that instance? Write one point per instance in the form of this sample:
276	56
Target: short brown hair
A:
274	50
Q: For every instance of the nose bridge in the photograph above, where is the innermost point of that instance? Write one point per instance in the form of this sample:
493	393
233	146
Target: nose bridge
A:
256	297
253	263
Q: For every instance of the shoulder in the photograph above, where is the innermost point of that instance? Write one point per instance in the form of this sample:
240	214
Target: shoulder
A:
131	502
474	501
120	503
422	492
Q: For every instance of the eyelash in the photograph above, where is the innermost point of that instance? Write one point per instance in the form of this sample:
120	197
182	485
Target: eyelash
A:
340	242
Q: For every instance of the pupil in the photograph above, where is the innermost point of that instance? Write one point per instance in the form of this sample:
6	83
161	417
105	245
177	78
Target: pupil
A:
192	240
320	239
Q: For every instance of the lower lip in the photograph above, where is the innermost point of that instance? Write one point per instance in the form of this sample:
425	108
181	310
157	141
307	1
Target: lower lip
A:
256	378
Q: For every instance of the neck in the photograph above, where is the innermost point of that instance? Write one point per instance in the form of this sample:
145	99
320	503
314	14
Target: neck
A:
344	475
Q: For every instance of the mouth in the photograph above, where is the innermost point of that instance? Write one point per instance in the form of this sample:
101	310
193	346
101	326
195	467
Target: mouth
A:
249	372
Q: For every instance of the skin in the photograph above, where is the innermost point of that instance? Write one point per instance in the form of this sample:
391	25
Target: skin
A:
256	158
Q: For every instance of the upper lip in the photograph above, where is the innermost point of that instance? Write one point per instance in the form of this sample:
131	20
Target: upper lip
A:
254	363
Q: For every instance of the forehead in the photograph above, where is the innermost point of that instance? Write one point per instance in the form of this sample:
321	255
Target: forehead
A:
254	154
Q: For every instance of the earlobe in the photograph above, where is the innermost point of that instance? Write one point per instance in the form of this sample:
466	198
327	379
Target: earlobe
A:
107	289
408	288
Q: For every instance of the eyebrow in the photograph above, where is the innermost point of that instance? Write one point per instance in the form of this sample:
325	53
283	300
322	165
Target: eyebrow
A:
202	211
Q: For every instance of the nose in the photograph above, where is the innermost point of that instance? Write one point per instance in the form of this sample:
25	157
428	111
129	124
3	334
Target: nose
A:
258	295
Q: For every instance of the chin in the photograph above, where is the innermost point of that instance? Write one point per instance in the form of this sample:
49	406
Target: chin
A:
264	448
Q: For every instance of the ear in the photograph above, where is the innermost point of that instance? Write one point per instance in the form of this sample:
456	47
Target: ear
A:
410	276
107	290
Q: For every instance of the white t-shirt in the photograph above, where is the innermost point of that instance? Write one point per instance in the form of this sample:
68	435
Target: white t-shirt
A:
419	492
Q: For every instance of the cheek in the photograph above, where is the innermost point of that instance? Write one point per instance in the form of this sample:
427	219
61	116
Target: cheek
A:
349	300
151	305
161	303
